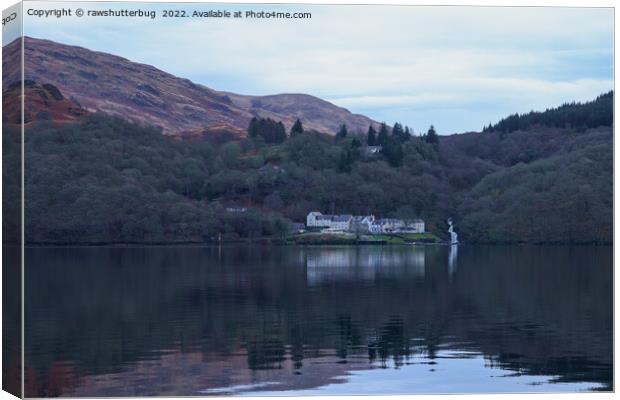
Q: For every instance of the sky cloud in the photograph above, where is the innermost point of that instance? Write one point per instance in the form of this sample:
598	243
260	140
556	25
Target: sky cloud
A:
455	67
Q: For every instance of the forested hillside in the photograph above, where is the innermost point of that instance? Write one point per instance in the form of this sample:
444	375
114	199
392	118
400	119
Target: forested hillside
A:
598	112
553	180
566	197
105	180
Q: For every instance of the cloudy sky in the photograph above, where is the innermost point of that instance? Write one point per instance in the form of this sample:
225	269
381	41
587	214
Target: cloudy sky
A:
458	68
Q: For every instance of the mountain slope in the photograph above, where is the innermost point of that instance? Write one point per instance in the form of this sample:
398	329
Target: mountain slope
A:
144	94
41	103
564	196
102	179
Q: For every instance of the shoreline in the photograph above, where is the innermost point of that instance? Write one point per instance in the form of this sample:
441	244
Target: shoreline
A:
284	244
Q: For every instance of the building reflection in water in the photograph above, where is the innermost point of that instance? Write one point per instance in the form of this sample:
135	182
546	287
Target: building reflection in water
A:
359	263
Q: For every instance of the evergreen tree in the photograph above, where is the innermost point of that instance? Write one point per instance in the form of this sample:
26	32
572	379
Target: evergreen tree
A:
383	135
399	133
297	128
342	132
354	151
592	114
393	152
253	128
372	136
431	136
344	164
268	129
397	130
280	133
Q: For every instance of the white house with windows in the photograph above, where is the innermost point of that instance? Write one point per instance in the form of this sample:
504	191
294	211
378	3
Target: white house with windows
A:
341	222
363	223
316	219
393	225
415	226
387	225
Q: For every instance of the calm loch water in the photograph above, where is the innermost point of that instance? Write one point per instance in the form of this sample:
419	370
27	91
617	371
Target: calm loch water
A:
317	320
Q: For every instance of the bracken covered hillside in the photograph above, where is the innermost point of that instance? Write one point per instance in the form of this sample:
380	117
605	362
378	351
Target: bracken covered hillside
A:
142	93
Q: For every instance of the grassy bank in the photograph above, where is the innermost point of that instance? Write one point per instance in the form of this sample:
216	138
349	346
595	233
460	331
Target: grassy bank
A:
315	238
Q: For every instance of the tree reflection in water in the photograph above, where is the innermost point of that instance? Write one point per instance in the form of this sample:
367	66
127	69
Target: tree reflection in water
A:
112	321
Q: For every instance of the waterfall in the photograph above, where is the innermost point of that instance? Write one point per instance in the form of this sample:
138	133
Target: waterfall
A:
454	237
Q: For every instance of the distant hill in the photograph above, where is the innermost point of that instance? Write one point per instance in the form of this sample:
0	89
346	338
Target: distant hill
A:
144	94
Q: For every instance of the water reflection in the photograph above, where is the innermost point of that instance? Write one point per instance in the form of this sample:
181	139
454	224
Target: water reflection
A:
189	321
361	263
452	256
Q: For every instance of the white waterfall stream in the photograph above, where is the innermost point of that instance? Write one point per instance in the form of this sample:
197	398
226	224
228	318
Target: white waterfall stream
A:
454	237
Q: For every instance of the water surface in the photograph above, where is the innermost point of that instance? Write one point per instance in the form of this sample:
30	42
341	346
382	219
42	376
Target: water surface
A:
317	320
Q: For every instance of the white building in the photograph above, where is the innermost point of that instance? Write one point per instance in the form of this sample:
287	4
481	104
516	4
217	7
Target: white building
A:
374	227
393	225
363	223
316	219
387	225
341	222
415	226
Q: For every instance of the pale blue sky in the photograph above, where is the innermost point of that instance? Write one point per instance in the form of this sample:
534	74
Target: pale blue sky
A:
458	68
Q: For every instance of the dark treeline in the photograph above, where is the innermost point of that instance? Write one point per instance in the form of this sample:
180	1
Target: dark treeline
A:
271	131
592	114
106	180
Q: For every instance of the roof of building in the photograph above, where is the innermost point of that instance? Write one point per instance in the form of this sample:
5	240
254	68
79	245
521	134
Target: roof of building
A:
388	221
359	218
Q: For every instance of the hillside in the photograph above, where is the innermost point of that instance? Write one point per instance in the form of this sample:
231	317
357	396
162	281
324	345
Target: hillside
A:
42	102
142	93
562	195
99	169
101	179
591	114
